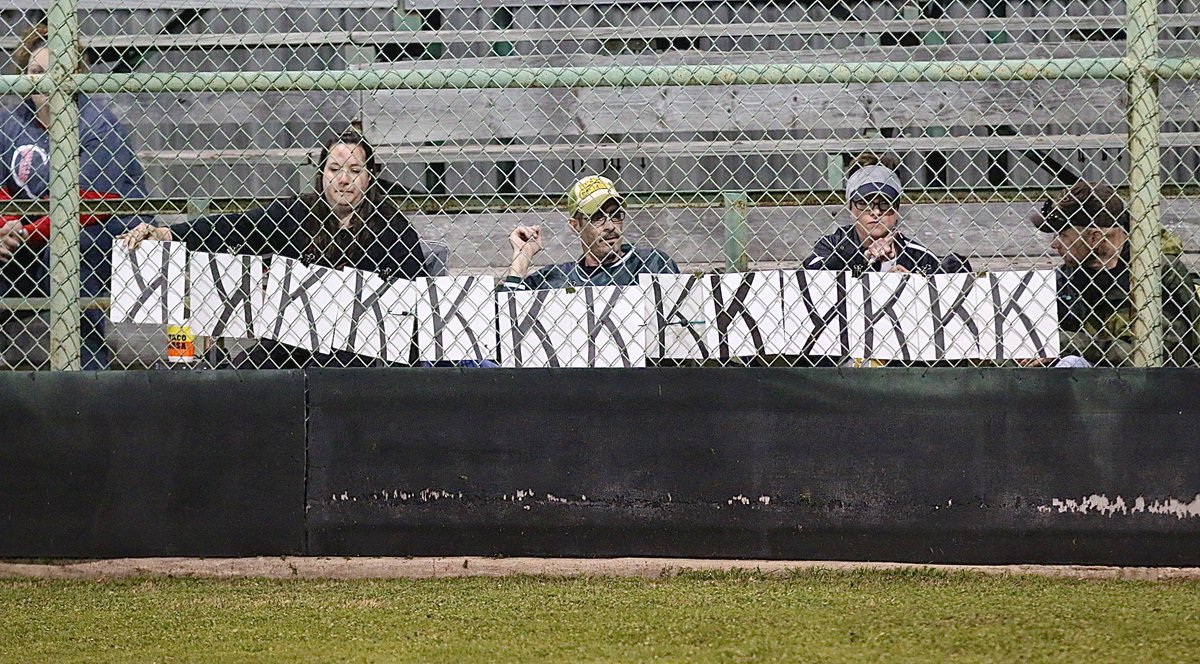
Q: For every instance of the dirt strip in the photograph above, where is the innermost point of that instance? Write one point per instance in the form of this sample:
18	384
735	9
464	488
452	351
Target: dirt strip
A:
434	568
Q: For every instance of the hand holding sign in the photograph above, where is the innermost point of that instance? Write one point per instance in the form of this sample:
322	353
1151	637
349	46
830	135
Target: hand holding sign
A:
143	231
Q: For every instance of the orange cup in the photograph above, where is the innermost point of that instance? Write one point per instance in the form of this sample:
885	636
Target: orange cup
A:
181	344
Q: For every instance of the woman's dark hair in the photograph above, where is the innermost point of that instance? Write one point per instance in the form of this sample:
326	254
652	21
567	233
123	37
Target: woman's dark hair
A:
348	137
330	244
34	39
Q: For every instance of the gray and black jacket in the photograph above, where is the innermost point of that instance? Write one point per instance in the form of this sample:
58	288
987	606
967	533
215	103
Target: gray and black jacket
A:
842	250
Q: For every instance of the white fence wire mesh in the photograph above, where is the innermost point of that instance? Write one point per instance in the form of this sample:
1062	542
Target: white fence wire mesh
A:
724	178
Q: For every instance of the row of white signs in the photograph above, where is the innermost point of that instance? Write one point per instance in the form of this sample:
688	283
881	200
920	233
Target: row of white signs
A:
999	315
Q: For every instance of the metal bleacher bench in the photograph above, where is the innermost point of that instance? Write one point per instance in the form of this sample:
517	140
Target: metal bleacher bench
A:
993	143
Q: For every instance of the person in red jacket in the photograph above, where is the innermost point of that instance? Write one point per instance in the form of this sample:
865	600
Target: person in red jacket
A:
109	169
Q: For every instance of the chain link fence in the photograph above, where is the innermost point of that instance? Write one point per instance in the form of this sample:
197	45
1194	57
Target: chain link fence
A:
837	183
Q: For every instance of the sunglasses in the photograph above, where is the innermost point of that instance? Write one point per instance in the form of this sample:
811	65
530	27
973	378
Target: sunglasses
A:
600	216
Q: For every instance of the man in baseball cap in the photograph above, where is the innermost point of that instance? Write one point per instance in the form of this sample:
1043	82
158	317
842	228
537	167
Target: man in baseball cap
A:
873	243
590	194
873	179
1091	234
596	214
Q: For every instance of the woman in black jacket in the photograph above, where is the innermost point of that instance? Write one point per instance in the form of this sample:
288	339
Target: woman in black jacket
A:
345	223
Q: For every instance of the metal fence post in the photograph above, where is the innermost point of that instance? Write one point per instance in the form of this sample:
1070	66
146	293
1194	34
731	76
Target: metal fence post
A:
198	207
65	311
835	172
736	207
1145	187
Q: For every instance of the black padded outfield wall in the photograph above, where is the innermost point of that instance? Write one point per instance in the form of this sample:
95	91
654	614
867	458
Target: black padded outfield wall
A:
987	466
156	463
972	466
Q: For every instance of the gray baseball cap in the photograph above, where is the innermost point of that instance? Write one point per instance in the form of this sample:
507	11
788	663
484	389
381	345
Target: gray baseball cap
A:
871	180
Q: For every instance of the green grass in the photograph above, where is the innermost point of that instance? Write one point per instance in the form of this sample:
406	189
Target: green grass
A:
808	616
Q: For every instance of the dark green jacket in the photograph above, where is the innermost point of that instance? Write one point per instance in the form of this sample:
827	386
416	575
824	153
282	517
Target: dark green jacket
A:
576	275
1096	312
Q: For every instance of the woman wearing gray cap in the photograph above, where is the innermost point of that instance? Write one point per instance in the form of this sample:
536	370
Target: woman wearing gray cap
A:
872	243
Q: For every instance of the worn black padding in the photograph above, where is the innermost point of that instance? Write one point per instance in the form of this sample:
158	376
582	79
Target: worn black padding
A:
155	463
969	466
953	466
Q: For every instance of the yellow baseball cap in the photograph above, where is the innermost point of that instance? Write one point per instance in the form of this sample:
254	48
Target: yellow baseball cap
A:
589	194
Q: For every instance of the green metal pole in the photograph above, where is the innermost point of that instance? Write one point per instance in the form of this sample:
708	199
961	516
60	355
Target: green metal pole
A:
574	77
65	311
1145	186
1178	68
737	206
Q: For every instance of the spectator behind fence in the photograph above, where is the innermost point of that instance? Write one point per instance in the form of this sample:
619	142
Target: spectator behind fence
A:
873	243
597	216
1091	234
109	169
346	222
